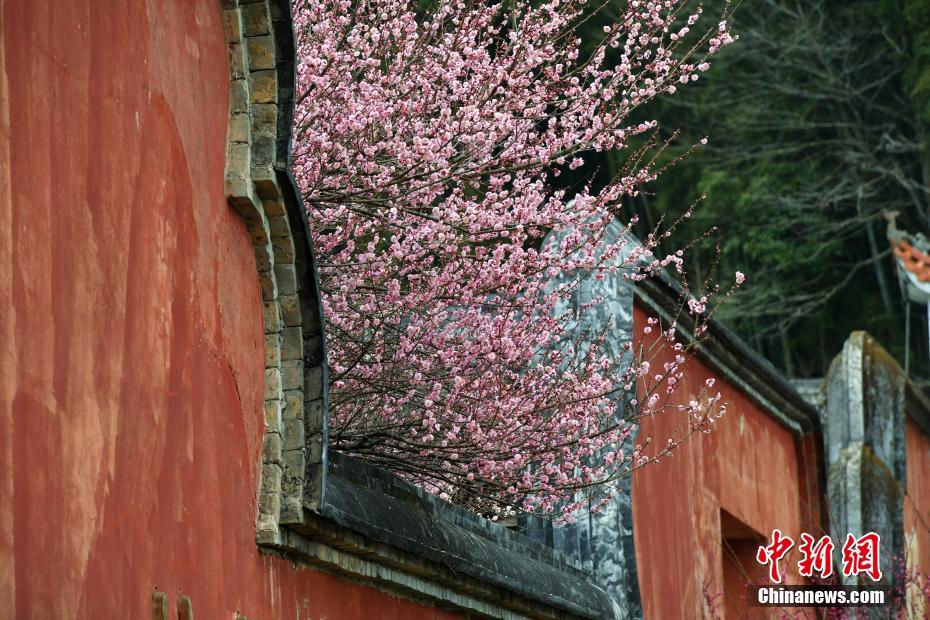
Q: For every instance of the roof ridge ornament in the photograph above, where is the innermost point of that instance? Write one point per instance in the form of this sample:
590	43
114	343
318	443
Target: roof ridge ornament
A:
912	257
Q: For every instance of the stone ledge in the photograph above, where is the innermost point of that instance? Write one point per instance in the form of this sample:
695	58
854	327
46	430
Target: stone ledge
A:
373	574
374	518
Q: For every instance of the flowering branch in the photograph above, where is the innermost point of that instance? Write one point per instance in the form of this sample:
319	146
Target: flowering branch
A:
428	144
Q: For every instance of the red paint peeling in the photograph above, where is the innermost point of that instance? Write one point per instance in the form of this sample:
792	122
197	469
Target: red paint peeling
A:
917	502
747	467
132	354
132	350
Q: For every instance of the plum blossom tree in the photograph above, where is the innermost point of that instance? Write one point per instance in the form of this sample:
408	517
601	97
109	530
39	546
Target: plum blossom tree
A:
428	143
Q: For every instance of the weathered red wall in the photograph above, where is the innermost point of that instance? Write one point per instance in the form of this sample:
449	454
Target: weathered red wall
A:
917	502
131	355
748	466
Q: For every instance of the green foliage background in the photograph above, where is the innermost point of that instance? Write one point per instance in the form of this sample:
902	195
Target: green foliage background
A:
818	123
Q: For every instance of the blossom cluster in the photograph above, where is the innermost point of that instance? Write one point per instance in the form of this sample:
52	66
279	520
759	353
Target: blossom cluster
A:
427	147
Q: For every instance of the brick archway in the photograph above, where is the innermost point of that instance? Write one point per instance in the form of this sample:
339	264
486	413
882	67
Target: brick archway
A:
260	188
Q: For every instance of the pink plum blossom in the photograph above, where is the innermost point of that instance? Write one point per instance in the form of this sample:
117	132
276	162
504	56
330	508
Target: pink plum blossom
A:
426	145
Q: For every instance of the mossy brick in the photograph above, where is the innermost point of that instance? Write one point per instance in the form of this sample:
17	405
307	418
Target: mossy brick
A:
272	350
263	153
293	433
240	129
294	404
273	421
265	118
273	384
263	86
268	285
239	96
269	498
293	346
238	162
290	310
293	372
273	317
313	414
232	25
275	207
279	226
256	18
264	255
271	448
284	254
314	383
285	273
261	52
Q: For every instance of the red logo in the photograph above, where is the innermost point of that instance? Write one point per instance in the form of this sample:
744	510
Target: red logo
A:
772	553
860	555
816	556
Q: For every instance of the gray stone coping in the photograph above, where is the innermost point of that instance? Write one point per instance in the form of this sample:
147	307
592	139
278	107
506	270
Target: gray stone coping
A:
402	527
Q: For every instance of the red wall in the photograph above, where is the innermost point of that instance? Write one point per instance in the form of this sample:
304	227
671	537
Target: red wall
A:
131	357
917	502
748	466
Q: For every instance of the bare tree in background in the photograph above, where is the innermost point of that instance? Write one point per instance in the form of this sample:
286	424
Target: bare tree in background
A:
813	135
